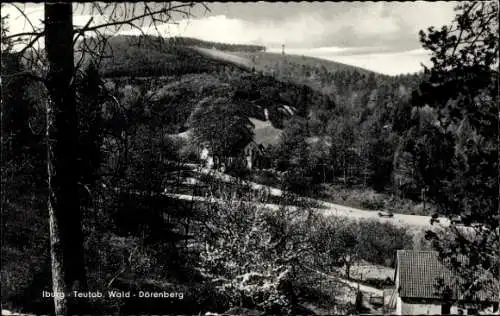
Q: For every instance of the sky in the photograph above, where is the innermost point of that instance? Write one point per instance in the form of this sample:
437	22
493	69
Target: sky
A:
380	36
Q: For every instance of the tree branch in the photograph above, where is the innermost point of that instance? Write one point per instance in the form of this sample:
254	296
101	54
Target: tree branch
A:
26	19
39	34
136	18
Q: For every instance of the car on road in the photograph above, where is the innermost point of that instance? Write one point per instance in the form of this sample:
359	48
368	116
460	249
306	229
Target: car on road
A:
476	225
385	214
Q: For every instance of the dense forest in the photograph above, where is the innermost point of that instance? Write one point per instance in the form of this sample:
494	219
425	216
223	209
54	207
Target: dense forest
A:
359	116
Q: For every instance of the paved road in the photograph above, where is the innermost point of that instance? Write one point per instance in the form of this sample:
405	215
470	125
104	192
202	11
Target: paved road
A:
341	210
331	209
326	208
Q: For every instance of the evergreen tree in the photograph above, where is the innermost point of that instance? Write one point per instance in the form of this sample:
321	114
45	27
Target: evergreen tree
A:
458	152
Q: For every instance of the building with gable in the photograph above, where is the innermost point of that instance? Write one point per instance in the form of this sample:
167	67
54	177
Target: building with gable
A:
417	291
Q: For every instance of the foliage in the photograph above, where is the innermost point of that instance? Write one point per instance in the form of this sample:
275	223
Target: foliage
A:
390	238
187	41
222	126
91	96
239	257
379	283
24	232
458	156
341	243
458	147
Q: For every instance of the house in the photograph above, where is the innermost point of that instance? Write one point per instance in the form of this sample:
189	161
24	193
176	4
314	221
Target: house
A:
253	156
417	290
206	158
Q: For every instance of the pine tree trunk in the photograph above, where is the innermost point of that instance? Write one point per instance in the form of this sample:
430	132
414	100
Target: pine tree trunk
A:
348	270
66	237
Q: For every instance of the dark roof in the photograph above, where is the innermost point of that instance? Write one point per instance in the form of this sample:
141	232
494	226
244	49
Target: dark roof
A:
419	272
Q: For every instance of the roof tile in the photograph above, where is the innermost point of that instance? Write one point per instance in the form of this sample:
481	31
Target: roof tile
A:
419	272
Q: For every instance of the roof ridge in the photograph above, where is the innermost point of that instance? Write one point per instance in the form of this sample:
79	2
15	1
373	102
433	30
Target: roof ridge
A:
414	251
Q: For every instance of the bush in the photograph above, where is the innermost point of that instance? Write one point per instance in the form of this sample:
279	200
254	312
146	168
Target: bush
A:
298	182
381	240
379	283
372	205
25	268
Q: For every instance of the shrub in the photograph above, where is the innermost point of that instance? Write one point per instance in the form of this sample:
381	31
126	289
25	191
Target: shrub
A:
378	283
381	240
372	205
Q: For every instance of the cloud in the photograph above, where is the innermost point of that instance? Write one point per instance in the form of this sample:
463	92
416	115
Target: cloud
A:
223	29
385	62
367	34
297	24
17	23
341	23
392	63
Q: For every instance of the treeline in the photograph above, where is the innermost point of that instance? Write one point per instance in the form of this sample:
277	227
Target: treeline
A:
188	41
355	136
353	119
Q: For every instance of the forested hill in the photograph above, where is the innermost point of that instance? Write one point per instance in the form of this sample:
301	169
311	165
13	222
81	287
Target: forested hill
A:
181	77
355	113
352	119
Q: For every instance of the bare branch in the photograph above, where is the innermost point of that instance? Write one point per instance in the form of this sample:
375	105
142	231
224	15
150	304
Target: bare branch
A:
165	10
26	19
39	33
32	42
86	26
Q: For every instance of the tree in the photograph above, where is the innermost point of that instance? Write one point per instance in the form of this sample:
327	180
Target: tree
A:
23	178
222	125
343	154
252	255
348	247
91	95
461	148
68	271
4	41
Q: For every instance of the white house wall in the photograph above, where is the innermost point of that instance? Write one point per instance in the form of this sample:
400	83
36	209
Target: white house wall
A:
428	308
422	309
399	306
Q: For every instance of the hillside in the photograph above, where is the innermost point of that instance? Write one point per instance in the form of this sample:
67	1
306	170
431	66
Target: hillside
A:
274	61
361	111
152	57
220	55
176	78
346	84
